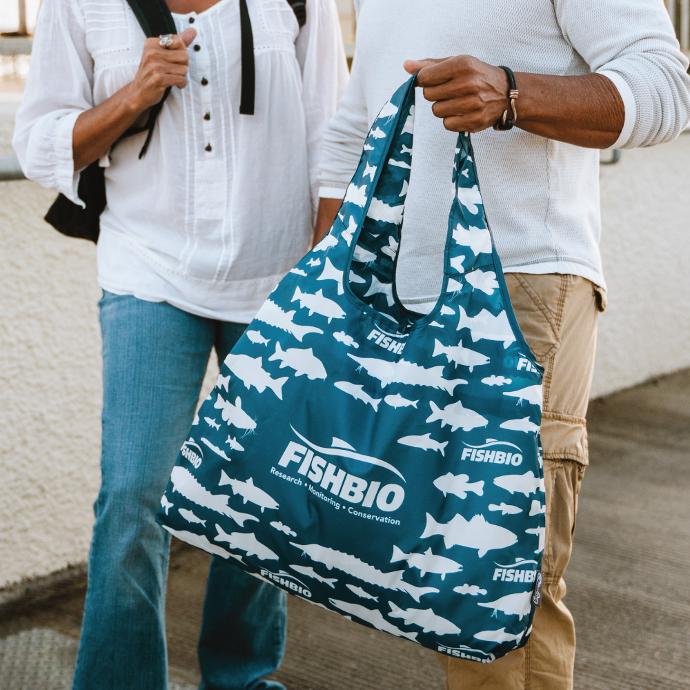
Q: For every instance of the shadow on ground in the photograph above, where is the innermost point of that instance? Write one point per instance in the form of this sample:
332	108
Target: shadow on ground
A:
628	581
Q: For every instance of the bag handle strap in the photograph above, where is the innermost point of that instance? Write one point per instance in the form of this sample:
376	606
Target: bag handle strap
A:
155	19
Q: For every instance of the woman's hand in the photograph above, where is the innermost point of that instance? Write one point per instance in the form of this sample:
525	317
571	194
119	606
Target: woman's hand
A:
161	68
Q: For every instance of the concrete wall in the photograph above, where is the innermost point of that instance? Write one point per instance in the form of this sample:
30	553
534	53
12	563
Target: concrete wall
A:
49	344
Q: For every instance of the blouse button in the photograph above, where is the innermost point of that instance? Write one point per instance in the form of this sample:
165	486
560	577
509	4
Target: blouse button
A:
204	81
197	47
209	147
191	20
207	116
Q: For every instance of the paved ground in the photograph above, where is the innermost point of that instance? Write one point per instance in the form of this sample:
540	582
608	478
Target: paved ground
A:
628	581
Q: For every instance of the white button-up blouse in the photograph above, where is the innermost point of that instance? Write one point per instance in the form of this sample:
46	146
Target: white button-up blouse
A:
221	206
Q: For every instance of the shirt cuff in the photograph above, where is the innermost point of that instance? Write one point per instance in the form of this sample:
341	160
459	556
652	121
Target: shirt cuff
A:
66	178
628	102
332	192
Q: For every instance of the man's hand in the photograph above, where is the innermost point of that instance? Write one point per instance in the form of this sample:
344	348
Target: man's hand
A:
161	68
468	94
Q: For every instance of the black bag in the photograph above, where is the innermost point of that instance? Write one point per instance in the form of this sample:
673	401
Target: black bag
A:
155	19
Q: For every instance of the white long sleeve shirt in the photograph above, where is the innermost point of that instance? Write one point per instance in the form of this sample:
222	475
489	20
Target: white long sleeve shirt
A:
221	206
541	196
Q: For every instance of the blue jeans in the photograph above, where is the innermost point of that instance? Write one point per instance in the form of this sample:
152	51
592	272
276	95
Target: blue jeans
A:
154	360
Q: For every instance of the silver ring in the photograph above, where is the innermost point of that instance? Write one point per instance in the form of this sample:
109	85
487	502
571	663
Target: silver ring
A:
166	40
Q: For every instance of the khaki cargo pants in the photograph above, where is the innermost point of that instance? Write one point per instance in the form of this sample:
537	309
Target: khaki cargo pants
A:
558	316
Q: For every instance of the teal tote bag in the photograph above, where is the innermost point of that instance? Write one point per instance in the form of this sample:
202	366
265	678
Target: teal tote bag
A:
383	464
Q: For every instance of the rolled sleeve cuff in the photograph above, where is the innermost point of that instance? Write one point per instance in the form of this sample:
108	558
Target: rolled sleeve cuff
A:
66	178
629	104
331	192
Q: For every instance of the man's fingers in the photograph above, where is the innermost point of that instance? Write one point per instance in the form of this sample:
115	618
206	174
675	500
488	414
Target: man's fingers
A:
455	106
413	66
439	71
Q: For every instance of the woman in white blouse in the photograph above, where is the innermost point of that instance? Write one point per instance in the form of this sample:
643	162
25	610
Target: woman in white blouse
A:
194	236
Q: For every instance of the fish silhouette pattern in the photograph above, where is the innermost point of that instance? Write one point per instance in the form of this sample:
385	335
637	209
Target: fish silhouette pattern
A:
379	462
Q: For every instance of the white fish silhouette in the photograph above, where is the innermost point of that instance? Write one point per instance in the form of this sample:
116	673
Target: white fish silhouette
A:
377	133
425	619
408	127
196	419
349	233
379	288
198	540
459	485
330	272
368	147
476	533
457	354
273	315
314	262
218	451
477	239
505	508
403	191
257	338
526	483
398	400
166	504
247	542
522	424
470	590
186	484
427	562
530	394
281	527
447	311
346	339
486	326
251	372
406	149
540	533
456	416
399	164
316	303
310	572
352	565
403	371
388	111
494	380
358	393
354	277
361	592
382	212
391	249
356	195
536	508
498	636
234	415
454	286
470	198
363	256
298	272
457	263
369	171
518	604
424	442
485	281
248	491
328	242
222	382
212	423
234	444
190	517
303	361
372	616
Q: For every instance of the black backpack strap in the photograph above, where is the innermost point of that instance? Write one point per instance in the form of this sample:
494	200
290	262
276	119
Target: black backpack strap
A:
299	7
155	19
248	66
